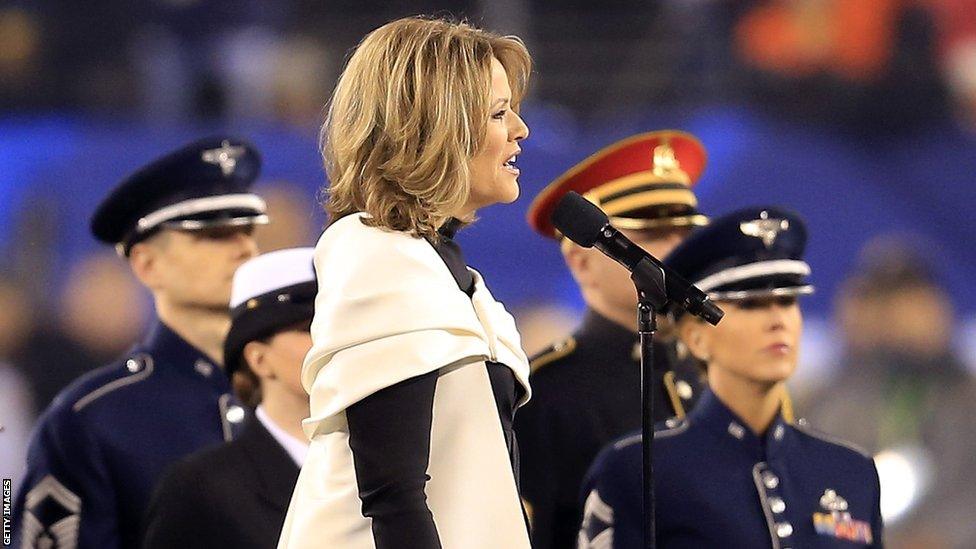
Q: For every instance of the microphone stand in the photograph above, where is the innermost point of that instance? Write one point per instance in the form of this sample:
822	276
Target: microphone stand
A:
652	298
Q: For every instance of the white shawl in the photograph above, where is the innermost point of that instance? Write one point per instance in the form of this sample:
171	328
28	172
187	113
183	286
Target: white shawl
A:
387	310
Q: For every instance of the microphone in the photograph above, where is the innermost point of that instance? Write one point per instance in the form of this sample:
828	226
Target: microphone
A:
585	224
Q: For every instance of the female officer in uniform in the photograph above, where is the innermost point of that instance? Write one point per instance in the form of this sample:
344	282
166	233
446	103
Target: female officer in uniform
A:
415	370
736	472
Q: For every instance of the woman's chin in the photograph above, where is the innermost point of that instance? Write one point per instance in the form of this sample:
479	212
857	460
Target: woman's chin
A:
505	192
775	373
507	195
511	192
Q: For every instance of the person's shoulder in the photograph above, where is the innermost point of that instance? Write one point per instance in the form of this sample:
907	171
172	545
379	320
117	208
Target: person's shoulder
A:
351	251
205	468
824	445
628	446
197	490
355	232
107	384
619	455
546	364
671	438
672	428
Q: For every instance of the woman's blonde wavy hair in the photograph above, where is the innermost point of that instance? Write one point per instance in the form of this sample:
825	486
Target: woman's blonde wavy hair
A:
409	112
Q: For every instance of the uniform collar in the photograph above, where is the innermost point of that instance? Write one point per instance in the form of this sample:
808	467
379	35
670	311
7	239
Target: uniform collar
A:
613	339
714	415
274	468
167	347
297	449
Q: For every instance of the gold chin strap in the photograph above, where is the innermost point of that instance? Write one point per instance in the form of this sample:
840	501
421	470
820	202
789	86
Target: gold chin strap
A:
671	388
787	407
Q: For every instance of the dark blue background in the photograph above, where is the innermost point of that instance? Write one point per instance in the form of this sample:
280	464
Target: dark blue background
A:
849	187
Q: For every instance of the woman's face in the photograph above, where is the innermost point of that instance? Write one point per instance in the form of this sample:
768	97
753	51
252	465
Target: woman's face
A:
286	351
757	340
494	177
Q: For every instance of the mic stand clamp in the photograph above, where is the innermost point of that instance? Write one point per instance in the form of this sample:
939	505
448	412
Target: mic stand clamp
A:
652	298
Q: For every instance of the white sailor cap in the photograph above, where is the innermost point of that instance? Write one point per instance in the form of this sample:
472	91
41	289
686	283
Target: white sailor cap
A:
270	292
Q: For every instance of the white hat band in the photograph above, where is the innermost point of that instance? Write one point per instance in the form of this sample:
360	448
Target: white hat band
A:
243	201
753	270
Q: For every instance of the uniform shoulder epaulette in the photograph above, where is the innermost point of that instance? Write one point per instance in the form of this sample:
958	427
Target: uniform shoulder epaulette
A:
628	441
136	368
802	426
672	426
553	353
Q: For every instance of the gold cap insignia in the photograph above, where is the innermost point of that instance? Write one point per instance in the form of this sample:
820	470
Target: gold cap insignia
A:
666	165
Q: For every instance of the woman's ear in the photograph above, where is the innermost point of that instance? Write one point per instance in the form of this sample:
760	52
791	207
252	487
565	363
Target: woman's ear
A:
694	336
255	355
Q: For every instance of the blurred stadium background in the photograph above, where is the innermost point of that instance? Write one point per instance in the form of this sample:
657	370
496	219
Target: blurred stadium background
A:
861	115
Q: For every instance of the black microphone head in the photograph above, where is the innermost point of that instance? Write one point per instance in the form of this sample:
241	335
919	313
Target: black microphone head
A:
579	219
707	311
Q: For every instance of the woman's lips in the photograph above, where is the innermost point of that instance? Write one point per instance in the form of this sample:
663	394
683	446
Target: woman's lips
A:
778	348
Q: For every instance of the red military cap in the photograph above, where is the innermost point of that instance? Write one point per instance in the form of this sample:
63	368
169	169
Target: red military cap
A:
642	182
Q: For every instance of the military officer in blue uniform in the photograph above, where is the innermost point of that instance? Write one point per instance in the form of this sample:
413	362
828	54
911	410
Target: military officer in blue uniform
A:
735	472
586	387
184	225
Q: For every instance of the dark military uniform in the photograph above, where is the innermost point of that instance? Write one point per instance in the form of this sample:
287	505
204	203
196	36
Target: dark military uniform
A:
719	485
99	449
236	495
586	389
587	393
233	495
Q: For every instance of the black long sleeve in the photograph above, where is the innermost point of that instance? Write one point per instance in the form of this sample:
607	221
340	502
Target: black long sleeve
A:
389	434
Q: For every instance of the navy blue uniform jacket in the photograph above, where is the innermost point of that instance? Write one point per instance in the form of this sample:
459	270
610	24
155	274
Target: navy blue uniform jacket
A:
99	449
719	485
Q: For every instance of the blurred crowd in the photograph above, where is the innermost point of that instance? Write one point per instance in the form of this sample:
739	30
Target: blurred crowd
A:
902	392
871	64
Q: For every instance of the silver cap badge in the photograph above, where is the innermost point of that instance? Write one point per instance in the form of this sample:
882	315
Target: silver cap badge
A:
765	228
225	156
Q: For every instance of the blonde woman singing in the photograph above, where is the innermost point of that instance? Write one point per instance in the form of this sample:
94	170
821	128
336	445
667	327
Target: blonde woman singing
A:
415	370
